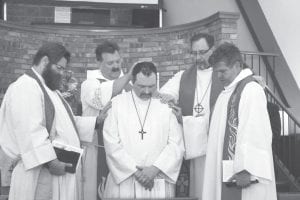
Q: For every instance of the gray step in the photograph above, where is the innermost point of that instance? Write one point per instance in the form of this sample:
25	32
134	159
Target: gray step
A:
288	196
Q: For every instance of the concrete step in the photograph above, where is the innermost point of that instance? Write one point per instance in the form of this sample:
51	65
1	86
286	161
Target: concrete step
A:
3	197
288	196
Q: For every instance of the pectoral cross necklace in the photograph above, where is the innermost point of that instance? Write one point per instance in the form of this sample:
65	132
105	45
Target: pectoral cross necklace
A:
198	108
142	132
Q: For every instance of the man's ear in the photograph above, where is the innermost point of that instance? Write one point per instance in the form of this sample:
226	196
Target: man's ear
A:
44	61
238	65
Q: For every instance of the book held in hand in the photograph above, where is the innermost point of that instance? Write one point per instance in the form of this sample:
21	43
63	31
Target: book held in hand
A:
68	154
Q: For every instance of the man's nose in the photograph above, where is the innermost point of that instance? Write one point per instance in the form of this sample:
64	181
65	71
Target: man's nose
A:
147	90
116	65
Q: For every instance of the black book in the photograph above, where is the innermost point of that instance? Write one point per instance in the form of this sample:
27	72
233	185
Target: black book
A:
68	154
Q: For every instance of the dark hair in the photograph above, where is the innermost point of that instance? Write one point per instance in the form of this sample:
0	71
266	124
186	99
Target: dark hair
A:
147	68
209	39
106	47
228	53
54	52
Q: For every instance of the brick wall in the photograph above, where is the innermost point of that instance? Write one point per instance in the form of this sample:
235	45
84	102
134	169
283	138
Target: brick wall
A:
167	47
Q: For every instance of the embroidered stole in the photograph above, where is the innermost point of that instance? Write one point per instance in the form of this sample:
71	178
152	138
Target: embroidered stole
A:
186	103
230	138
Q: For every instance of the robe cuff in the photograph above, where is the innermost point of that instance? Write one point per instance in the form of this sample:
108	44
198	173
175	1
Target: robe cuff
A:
38	156
254	160
167	169
86	128
120	174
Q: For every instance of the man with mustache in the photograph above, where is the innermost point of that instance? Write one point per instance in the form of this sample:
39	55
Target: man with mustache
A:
195	90
143	141
34	114
96	92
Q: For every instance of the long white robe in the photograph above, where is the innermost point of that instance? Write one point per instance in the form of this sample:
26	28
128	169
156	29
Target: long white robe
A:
197	164
253	147
23	136
94	96
162	145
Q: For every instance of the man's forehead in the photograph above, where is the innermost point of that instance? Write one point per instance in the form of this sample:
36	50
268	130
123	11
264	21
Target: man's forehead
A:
142	79
63	61
111	56
220	65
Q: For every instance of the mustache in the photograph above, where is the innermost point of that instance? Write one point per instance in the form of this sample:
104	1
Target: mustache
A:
146	94
115	69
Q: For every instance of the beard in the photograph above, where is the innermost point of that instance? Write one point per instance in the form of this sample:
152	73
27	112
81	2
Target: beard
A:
145	95
202	64
52	78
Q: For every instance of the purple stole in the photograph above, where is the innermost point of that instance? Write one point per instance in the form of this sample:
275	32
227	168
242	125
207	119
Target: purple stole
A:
230	138
186	103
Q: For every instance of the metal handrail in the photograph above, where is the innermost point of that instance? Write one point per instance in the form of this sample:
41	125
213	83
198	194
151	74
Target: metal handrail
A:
289	113
259	53
269	63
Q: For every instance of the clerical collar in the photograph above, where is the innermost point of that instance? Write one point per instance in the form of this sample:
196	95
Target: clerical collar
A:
243	74
205	70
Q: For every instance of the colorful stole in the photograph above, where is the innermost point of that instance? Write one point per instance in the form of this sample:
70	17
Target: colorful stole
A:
230	138
186	103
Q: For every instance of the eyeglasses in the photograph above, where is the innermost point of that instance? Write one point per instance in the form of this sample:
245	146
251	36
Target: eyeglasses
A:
60	67
199	52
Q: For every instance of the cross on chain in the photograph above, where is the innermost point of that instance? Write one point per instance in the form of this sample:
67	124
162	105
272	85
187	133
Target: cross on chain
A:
198	108
142	132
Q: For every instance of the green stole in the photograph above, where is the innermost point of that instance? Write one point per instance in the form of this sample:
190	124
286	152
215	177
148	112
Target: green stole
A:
186	103
230	138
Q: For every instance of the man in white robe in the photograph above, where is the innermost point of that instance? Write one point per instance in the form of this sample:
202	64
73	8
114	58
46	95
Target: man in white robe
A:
96	92
251	153
26	133
196	85
143	141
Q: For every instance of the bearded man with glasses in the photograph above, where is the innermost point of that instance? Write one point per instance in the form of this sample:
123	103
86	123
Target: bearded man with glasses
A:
195	90
33	118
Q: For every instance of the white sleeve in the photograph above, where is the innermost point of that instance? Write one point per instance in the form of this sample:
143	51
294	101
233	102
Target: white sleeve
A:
26	122
96	94
86	127
120	163
254	139
172	86
170	159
